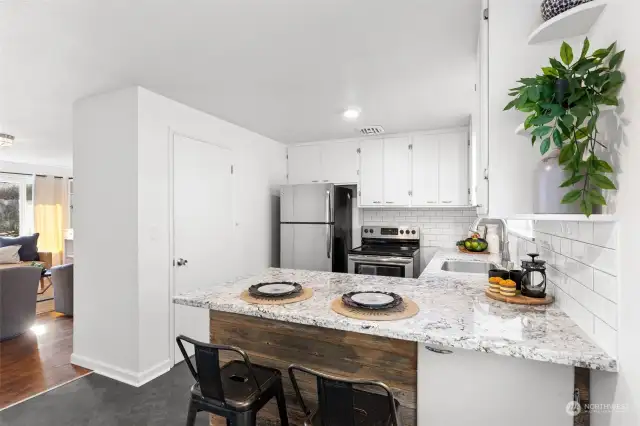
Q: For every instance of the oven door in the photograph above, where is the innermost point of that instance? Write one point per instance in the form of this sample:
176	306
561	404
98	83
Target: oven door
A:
387	266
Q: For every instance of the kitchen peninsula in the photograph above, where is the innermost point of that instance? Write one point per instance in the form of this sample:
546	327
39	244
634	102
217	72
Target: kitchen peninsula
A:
454	314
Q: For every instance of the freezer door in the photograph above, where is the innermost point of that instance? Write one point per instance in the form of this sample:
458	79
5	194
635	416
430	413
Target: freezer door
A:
306	246
307	203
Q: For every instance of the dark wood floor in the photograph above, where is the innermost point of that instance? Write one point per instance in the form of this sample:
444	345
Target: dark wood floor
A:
38	360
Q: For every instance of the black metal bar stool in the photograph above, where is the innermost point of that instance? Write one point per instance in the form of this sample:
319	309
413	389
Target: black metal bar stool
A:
339	404
236	391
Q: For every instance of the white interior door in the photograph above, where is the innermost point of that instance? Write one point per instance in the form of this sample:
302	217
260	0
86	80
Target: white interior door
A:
425	170
202	228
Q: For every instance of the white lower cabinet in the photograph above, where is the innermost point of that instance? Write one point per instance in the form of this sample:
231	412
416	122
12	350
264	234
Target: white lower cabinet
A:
466	387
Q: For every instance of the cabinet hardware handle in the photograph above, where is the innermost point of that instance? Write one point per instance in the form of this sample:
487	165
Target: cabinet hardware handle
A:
314	181
431	202
325	181
377	202
389	202
446	202
438	351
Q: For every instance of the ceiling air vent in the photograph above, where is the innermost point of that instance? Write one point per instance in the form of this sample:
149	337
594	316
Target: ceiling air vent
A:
371	130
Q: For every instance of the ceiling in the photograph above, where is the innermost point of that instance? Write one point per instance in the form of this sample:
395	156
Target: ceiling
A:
283	68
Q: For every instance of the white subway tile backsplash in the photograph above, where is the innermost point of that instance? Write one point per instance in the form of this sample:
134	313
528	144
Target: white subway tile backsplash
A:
582	266
605	285
605	234
438	227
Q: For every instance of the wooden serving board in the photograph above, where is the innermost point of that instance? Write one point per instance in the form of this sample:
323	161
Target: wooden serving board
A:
519	299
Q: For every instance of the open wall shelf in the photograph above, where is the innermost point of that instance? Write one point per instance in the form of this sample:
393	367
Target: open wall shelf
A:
572	23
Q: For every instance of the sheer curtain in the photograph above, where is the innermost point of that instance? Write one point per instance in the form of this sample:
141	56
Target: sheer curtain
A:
50	199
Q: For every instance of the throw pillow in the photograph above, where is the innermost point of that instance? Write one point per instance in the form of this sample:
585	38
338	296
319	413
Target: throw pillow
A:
9	254
29	250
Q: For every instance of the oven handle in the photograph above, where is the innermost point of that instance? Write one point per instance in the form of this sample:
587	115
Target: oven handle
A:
381	259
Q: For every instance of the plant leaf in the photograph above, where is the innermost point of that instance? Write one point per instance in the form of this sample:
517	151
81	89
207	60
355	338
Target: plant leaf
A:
572	181
610	101
585	47
544	146
601	181
580	113
582	133
556	110
511	104
603	166
616	60
533	140
557	64
616	78
567	153
597	198
541	131
571	196
566	53
550	71
586	207
567	120
557	138
601	53
543	119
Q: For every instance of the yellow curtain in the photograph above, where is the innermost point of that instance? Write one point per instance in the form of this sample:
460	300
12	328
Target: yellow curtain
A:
50	211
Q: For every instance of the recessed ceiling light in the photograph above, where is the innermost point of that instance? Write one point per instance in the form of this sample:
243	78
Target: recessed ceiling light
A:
351	113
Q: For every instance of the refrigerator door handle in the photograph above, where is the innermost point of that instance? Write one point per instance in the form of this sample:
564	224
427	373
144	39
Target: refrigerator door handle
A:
327	200
328	241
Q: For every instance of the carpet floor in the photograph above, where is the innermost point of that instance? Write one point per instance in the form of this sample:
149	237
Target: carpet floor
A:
96	400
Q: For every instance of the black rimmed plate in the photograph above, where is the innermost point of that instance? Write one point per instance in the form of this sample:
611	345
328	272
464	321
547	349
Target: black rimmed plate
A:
275	289
371	299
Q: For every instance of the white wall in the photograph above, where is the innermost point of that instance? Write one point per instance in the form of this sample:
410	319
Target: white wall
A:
121	154
105	237
40	169
512	158
620	22
259	167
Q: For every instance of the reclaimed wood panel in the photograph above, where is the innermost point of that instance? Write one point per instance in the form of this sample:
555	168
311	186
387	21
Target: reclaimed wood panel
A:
278	344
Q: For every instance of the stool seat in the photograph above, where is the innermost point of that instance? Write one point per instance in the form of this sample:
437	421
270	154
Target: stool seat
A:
240	391
370	409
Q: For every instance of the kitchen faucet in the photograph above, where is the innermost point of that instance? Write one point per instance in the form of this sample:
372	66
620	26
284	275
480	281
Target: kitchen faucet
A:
505	256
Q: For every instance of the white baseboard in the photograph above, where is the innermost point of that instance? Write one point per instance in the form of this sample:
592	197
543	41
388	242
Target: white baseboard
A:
120	374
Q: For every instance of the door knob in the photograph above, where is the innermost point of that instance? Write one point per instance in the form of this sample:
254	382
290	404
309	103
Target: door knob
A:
181	262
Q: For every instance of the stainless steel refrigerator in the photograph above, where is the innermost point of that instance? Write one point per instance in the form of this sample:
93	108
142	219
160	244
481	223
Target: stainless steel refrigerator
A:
315	227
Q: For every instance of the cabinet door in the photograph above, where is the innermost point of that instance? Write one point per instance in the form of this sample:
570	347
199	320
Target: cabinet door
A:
397	172
371	173
425	171
340	162
452	173
304	164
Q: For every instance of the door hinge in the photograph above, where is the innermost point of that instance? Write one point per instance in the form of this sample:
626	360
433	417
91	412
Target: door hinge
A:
232	169
287	176
358	151
410	193
287	156
485	14
359	193
410	146
358	172
469	191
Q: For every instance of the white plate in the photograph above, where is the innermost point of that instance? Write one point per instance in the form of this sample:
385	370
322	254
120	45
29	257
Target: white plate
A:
372	299
276	288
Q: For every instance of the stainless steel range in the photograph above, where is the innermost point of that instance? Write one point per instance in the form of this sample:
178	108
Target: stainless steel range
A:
392	251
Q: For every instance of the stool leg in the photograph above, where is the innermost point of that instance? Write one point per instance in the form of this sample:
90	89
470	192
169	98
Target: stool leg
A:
247	418
282	406
191	415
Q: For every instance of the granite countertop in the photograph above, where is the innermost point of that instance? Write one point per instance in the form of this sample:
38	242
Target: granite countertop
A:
454	312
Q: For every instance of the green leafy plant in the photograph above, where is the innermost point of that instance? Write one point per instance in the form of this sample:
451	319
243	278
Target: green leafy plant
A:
564	106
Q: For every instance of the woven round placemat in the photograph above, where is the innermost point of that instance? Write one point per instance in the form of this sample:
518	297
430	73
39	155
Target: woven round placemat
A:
406	309
305	294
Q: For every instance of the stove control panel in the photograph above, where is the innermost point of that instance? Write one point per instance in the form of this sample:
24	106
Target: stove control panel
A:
391	232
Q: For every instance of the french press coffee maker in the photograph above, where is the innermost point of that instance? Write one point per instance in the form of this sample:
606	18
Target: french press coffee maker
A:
534	278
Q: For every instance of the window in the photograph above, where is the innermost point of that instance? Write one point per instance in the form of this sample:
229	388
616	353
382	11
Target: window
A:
16	205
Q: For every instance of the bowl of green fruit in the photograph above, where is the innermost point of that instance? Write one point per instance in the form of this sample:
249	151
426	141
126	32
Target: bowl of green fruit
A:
474	244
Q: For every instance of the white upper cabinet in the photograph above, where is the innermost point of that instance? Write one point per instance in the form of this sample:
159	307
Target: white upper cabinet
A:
397	172
425	166
453	180
334	162
304	165
340	161
371	173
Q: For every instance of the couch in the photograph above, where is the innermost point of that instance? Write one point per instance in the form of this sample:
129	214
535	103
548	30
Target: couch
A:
18	294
